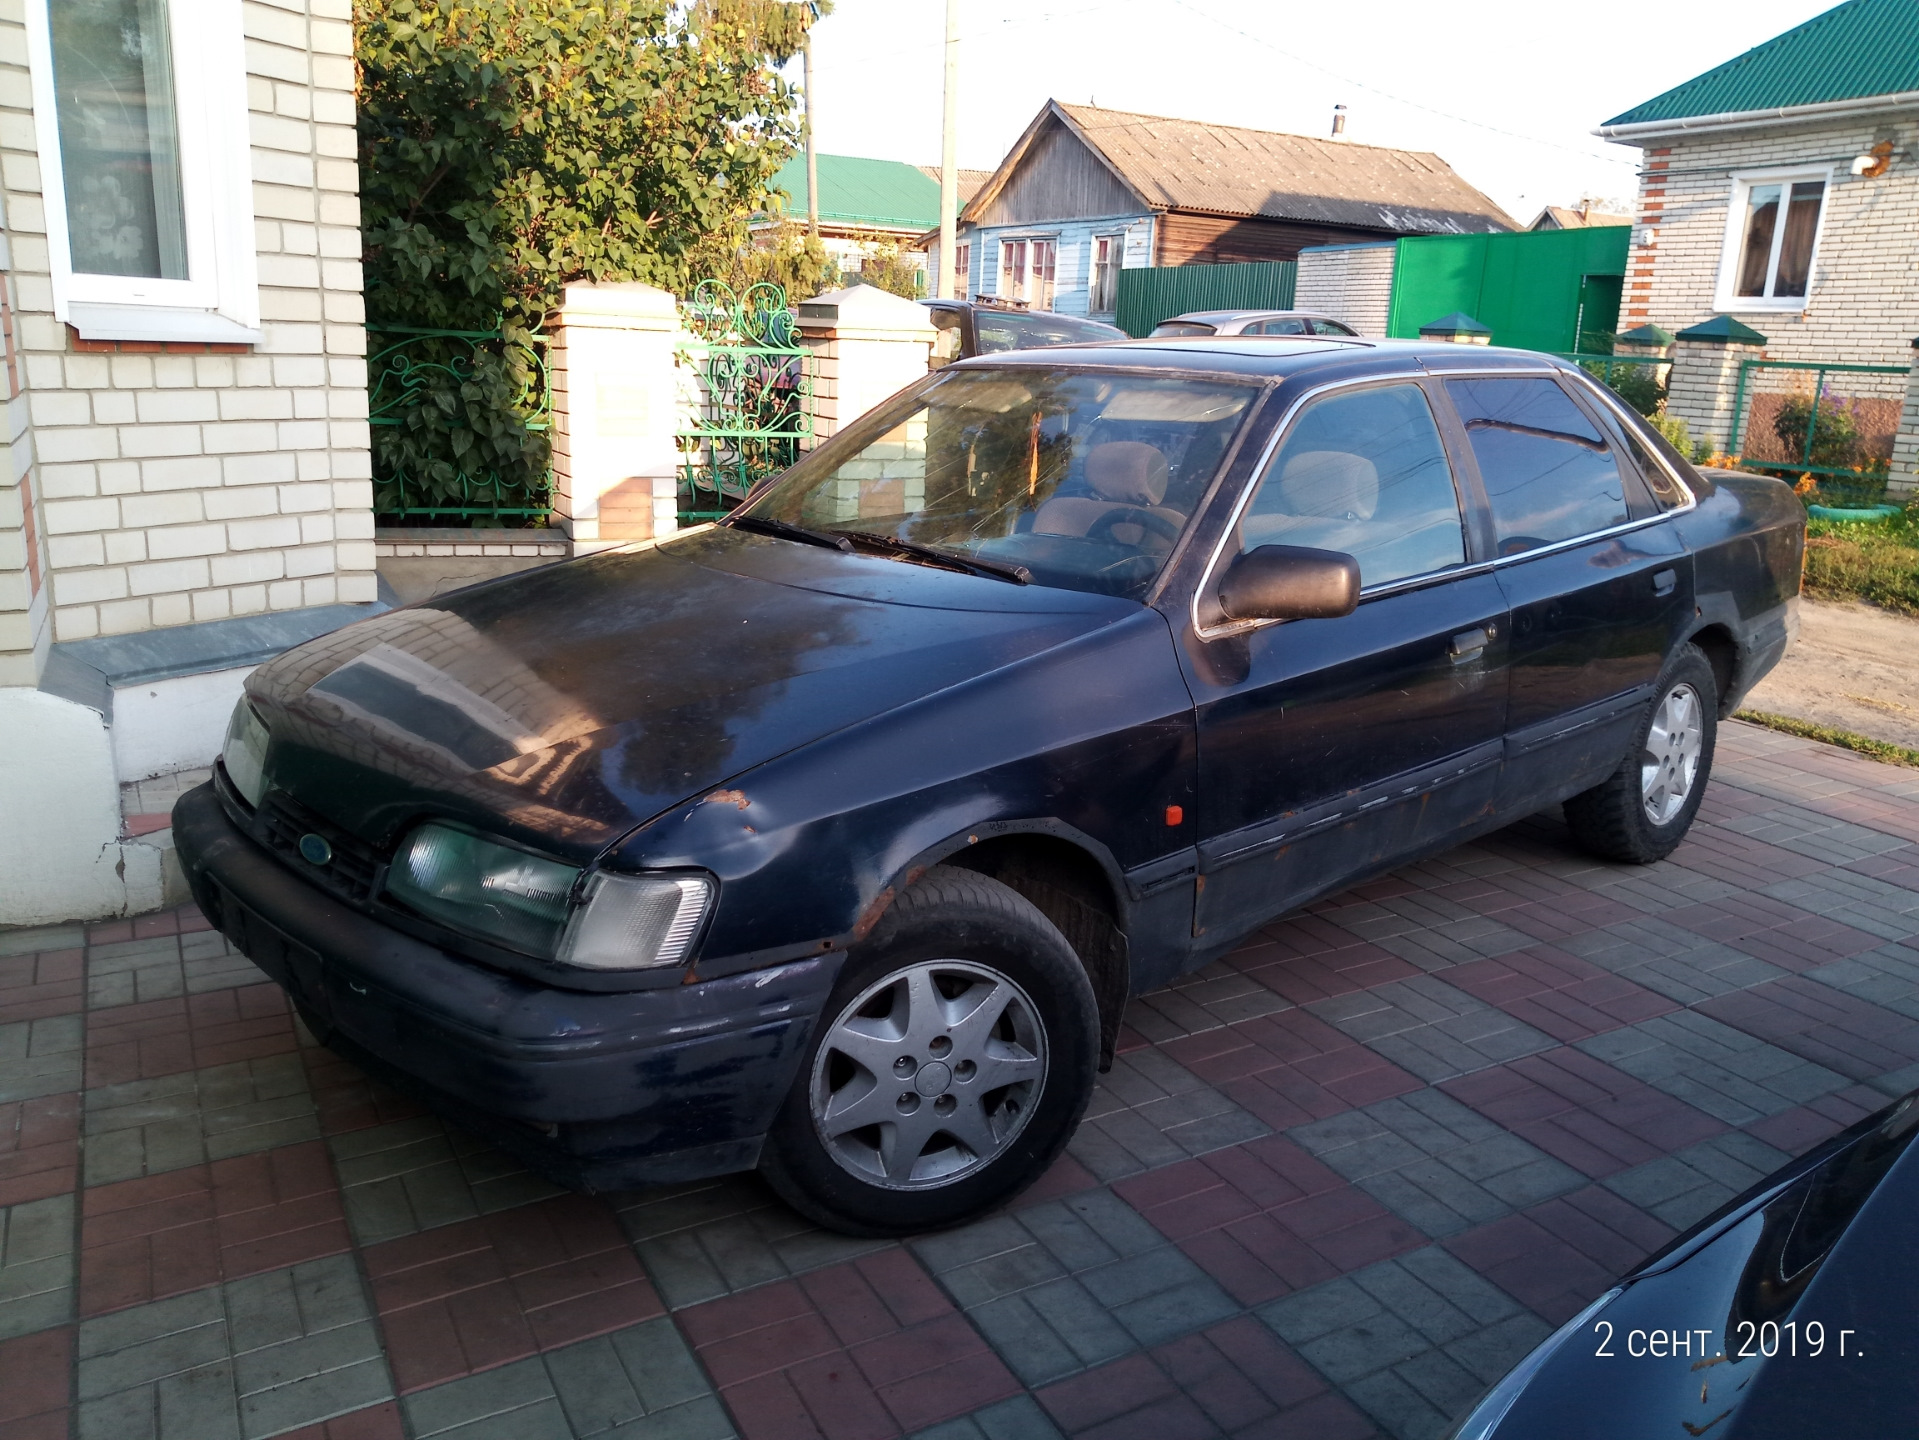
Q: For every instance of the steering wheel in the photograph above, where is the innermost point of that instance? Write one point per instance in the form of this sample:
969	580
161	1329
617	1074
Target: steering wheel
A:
1147	520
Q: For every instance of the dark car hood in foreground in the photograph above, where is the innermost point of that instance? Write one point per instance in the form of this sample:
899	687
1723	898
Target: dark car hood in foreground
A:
568	704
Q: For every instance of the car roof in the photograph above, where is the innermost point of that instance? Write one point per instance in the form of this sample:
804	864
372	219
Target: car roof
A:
991	309
1214	317
1268	356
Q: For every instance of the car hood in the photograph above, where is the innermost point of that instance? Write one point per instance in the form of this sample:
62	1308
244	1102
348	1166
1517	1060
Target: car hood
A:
563	706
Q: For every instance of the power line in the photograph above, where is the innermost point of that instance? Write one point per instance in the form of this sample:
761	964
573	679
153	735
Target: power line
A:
1397	99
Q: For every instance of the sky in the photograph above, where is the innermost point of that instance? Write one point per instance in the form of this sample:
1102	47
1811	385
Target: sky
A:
1506	91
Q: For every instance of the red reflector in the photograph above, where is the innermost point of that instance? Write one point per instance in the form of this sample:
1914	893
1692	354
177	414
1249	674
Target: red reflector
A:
1175	815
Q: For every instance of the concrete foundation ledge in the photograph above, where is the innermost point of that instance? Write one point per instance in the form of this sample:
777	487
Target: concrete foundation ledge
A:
419	563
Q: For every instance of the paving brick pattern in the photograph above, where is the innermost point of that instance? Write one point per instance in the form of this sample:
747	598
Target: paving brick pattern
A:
1335	1183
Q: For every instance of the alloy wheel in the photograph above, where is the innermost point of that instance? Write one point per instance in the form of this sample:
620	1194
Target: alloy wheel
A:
1669	764
928	1075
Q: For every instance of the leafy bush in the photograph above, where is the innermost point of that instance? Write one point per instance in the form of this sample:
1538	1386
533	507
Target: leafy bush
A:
1674	429
1637	385
511	147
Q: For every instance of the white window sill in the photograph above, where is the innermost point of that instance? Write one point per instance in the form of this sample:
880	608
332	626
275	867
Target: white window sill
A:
152	323
1760	307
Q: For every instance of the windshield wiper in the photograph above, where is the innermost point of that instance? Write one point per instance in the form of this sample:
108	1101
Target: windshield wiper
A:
946	559
781	528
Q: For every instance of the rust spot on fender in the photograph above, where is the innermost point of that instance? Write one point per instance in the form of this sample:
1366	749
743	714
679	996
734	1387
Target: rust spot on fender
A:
735	798
883	902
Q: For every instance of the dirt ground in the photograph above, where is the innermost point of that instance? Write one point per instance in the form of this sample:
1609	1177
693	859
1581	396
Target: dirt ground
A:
1853	667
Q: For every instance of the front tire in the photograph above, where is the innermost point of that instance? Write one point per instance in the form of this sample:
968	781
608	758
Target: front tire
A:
950	1067
1641	812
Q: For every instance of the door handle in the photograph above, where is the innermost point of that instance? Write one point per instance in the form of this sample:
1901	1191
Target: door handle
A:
1469	645
1665	582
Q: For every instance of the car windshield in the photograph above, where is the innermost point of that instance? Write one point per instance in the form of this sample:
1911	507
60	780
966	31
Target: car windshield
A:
1083	480
1181	327
1024	330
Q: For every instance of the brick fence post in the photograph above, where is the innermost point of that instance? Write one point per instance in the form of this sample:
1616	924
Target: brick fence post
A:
865	343
1705	378
615	403
1903	481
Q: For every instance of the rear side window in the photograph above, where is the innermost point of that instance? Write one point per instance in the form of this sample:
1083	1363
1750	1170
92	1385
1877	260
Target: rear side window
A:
1362	473
1550	474
1278	327
1329	327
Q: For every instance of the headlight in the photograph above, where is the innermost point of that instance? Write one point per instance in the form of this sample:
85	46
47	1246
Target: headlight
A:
522	901
245	753
502	894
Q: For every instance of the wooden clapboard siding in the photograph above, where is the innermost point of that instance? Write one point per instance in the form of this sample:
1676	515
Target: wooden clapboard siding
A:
1186	238
1060	179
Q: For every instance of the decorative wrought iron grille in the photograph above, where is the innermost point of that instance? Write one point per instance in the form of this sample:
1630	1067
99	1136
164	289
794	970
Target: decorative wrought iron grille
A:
746	394
428	387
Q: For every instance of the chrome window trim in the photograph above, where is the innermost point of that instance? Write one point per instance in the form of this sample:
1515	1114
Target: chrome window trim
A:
1417	582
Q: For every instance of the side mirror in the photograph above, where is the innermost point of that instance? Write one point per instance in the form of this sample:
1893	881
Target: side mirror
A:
1289	582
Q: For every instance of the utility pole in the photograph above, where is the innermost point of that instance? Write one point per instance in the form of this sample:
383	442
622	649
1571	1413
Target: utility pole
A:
949	156
812	159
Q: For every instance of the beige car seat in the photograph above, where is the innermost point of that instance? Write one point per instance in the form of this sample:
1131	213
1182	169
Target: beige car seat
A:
1123	474
1324	499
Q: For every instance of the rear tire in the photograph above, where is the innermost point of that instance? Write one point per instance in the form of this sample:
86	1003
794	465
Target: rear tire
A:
949	1069
1641	812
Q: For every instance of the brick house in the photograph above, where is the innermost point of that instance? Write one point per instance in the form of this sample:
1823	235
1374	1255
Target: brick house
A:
1782	189
188	487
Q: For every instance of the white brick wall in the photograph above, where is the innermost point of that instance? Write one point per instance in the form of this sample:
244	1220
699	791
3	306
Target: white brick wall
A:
1353	283
181	484
1863	304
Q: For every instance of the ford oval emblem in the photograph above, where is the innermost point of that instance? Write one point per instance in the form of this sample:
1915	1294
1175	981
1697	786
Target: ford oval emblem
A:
315	850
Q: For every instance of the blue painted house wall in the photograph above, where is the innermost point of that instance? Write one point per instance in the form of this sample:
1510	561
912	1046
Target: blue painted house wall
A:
1073	269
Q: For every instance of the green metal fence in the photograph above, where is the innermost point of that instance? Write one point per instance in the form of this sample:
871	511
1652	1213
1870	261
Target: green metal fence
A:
1791	419
1149	296
746	406
1552	290
441	390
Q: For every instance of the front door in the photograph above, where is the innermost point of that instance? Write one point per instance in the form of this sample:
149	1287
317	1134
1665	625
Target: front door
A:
1597	601
1329	748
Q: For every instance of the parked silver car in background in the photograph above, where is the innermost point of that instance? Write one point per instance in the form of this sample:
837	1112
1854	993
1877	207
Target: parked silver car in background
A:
1251	322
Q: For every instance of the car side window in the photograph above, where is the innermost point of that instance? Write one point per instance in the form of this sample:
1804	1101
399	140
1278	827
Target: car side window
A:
1362	472
1550	473
1329	327
1281	327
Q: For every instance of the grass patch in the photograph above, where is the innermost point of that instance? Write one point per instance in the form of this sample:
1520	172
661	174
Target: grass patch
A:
1826	734
1878	564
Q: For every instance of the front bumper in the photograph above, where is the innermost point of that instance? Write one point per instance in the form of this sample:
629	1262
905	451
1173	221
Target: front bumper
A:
597	1091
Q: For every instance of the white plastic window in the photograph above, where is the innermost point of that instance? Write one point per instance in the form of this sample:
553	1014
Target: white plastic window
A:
141	119
1772	237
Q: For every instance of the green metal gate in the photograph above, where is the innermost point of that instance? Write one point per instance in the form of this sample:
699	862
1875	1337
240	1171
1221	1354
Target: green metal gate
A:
746	403
1792	419
1552	290
421	386
1151	295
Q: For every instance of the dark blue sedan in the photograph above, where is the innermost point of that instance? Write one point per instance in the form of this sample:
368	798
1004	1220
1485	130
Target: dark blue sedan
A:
831	839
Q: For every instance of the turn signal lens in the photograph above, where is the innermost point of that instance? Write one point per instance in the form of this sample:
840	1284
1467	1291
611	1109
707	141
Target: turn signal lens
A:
637	922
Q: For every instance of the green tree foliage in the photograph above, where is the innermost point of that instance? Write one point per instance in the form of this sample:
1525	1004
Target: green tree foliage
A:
891	268
510	147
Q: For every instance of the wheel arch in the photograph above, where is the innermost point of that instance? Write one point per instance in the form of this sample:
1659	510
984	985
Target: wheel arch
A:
1069	877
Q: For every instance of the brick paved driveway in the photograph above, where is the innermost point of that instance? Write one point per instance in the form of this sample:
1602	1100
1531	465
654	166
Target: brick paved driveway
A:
1333	1186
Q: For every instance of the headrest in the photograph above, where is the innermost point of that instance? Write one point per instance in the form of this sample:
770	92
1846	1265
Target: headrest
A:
1127	472
1334	484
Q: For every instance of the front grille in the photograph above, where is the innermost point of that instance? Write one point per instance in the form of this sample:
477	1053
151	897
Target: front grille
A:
355	869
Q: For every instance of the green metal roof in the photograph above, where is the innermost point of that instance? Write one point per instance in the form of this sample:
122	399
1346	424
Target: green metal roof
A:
854	191
1861	48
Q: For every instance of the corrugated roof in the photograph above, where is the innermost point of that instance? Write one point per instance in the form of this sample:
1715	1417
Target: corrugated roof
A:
855	191
1855	50
1226	170
969	180
1565	217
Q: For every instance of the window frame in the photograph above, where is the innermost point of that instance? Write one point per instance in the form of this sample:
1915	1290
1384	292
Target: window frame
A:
219	302
1475	509
1115	243
1030	282
1726	300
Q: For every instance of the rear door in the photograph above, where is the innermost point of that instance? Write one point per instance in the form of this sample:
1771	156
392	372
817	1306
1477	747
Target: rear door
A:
1332	747
1599	588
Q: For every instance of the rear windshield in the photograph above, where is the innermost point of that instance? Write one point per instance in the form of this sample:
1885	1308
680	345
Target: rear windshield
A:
1084	479
1020	330
1180	327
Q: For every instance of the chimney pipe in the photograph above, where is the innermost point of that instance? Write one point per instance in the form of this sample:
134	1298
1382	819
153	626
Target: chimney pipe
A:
1339	122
